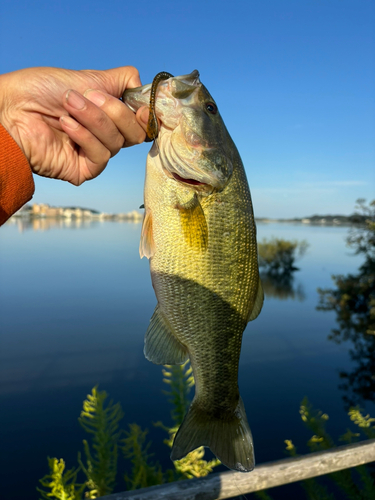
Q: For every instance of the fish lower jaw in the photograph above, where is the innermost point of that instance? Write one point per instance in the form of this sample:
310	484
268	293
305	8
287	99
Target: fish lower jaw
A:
192	182
201	187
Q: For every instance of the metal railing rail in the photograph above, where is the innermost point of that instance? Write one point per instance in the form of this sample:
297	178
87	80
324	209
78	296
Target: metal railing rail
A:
229	484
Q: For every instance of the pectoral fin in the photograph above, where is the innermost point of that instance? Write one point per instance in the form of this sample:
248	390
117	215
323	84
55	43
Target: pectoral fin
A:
147	244
193	223
258	304
161	346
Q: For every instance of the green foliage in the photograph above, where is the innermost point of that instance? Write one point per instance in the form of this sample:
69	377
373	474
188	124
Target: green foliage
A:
290	448
353	300
62	485
364	422
362	237
103	423
180	380
277	256
316	421
356	483
143	472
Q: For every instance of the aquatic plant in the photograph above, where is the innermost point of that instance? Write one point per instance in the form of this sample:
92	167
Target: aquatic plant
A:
356	483
180	380
144	472
62	485
103	423
277	256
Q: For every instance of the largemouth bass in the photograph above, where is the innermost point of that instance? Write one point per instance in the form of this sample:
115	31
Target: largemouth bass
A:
199	234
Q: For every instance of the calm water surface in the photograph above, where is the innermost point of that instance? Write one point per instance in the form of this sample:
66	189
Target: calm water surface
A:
75	302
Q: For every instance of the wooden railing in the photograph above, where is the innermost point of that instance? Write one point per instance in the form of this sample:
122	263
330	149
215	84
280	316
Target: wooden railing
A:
268	475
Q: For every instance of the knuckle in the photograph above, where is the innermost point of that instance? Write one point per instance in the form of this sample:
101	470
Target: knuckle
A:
133	70
115	110
118	143
102	120
106	156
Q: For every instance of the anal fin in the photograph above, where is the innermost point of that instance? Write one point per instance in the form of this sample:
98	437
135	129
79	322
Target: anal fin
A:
161	345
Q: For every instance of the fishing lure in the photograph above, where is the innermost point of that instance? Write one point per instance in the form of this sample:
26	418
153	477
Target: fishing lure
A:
152	125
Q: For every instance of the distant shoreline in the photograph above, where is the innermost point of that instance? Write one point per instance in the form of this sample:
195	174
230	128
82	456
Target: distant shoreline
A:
44	211
319	220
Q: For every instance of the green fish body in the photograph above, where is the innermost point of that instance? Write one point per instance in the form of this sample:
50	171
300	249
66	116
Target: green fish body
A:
199	234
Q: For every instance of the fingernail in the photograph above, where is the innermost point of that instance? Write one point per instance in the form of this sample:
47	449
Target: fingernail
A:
69	122
75	100
144	115
96	97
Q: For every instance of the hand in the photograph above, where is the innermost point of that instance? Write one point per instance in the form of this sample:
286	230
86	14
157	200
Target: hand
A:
70	123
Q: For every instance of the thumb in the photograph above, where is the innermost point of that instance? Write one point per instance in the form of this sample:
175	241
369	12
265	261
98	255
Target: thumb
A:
114	81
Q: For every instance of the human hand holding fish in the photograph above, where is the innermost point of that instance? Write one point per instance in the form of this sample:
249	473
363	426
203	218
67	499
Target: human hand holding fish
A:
69	123
199	236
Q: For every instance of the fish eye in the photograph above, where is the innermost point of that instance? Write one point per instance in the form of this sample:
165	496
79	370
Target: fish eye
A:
211	108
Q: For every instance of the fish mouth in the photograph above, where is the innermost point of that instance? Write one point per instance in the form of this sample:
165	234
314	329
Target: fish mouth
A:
192	170
192	182
202	187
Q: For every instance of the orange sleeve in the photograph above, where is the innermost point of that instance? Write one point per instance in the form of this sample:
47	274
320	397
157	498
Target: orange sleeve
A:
16	178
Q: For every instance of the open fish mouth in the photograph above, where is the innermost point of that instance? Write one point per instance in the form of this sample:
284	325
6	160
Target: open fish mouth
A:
190	170
203	187
192	182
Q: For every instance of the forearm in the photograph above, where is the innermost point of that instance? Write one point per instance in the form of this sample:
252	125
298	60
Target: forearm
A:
16	180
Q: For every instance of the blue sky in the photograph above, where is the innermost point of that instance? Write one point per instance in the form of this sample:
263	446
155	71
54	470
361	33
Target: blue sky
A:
294	81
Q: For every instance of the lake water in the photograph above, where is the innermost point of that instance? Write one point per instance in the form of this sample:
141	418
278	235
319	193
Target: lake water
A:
75	302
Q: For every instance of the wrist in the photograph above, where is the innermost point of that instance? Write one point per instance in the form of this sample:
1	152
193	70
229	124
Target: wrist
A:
8	109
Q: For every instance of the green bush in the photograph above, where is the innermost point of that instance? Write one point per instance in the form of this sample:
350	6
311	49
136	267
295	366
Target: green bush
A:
277	256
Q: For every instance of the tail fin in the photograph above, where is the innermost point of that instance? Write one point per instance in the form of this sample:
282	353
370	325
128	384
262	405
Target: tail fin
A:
230	439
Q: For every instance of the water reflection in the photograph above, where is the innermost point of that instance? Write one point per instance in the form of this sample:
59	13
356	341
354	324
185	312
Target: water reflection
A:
282	287
353	300
42	224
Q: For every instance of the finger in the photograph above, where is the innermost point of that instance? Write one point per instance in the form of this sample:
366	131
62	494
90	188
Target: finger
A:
142	115
119	79
95	120
95	154
134	79
123	118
